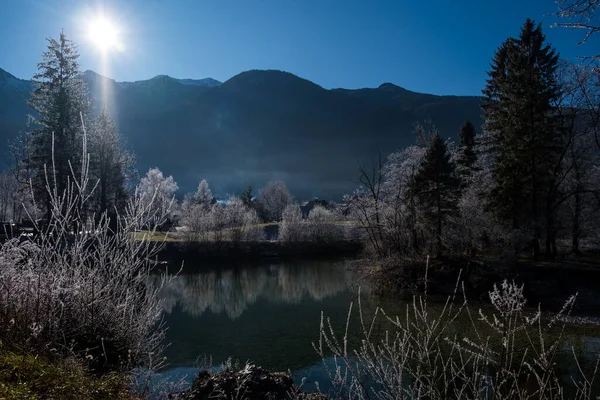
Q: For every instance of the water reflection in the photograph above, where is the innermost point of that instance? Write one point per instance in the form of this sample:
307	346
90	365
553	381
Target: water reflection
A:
268	313
232	291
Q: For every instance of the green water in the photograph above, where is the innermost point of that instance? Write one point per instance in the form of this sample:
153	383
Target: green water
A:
269	313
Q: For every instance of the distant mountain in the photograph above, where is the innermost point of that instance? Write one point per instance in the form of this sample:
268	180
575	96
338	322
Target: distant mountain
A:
206	82
257	126
14	93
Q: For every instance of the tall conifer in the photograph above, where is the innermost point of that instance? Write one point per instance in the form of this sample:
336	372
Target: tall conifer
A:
59	100
436	187
519	112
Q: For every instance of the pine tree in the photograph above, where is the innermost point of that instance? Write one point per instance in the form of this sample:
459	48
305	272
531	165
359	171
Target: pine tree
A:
59	100
435	186
519	113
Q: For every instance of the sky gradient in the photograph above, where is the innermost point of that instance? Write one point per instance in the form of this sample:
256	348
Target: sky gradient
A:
434	46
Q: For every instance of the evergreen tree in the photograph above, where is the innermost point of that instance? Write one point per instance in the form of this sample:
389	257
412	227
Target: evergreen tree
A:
435	186
519	113
247	197
466	153
59	100
204	195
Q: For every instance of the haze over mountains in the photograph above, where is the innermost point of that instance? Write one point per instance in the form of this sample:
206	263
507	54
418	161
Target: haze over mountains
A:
257	126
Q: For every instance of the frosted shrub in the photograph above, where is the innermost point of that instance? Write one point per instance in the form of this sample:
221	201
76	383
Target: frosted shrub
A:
509	299
321	225
253	231
235	222
195	213
507	353
196	220
273	199
291	228
241	222
217	223
81	286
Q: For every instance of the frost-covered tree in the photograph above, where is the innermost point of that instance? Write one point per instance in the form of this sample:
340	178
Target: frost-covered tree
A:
274	197
466	156
16	201
401	222
196	211
157	192
59	101
111	165
583	15
435	186
477	227
577	182
8	204
204	195
383	207
365	205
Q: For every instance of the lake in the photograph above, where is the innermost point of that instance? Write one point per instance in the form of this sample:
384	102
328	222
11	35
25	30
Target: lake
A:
269	312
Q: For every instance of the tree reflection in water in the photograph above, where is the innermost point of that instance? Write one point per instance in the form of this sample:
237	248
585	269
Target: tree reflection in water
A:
232	290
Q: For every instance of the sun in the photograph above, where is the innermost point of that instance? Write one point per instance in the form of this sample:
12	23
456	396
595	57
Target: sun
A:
103	34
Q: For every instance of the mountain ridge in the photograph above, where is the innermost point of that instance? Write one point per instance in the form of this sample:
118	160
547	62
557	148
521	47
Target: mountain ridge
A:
208	81
260	125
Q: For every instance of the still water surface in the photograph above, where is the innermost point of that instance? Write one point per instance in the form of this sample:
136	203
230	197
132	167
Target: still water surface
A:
269	314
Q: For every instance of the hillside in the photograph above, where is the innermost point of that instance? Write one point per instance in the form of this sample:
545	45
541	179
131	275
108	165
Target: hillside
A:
257	126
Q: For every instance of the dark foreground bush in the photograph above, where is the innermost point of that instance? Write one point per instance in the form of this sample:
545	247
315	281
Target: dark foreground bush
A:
249	383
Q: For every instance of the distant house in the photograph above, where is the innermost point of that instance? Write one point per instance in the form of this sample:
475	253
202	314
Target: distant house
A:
307	206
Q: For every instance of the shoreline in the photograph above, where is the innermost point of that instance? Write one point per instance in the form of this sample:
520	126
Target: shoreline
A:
177	252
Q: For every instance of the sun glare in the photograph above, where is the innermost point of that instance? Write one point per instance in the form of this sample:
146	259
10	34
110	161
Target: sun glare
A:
104	34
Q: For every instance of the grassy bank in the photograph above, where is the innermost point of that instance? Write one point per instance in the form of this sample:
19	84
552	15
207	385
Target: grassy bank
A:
30	377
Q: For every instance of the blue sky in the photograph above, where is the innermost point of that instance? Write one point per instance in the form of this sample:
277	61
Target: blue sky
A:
433	46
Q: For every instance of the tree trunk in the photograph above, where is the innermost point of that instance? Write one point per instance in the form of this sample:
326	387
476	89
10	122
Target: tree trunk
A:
536	248
439	226
550	236
576	229
103	197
